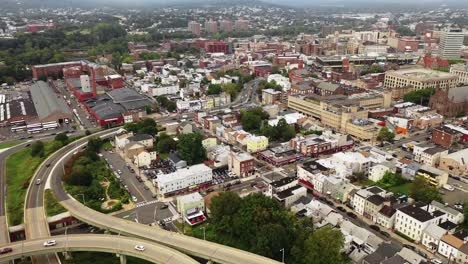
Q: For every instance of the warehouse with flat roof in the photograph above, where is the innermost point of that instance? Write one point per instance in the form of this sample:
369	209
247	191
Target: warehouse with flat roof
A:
49	105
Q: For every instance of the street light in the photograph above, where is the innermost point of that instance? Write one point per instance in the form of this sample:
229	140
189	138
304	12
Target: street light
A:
155	209
83	197
204	237
282	259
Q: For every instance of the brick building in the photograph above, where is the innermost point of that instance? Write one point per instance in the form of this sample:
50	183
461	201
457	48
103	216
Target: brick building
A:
52	68
450	102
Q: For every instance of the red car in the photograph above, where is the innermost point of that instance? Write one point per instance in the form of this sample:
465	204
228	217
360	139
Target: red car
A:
5	250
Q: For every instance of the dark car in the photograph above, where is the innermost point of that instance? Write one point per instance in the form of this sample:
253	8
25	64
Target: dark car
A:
164	206
341	209
27	145
374	227
410	247
352	215
5	250
47	165
385	234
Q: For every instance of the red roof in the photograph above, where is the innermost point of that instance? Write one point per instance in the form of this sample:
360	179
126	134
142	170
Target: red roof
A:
432	62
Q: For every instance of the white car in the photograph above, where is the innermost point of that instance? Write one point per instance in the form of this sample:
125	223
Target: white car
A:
140	247
119	172
50	243
448	187
134	199
38	181
436	261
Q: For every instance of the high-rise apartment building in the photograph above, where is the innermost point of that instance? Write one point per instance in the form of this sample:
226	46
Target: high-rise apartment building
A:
211	26
241	25
194	27
226	25
451	41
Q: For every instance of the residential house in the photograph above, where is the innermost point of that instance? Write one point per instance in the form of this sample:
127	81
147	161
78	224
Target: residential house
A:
177	161
132	149
190	201
386	216
144	158
431	237
209	143
412	220
256	143
171	128
431	156
286	191
185	128
241	164
384	252
143	139
451	243
358	237
462	256
358	200
372	206
377	171
453	215
184	178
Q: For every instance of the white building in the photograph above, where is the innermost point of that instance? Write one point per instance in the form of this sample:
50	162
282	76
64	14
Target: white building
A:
412	220
189	106
122	139
184	178
431	156
451	42
144	158
431	237
377	171
164	90
281	80
453	215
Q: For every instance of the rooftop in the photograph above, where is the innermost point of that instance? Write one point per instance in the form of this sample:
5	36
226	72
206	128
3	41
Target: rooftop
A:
283	181
289	192
183	173
189	198
419	214
421	74
46	101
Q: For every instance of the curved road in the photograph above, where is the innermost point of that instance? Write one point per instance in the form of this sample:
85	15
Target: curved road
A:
192	246
102	243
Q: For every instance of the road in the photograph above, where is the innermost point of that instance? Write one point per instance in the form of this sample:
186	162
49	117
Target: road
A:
35	220
102	243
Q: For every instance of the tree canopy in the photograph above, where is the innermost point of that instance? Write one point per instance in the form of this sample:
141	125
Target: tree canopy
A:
214	89
38	149
252	119
385	134
165	143
145	126
281	132
190	148
423	191
419	96
261	225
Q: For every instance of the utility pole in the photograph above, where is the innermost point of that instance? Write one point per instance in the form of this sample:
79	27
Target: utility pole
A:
204	237
82	195
282	259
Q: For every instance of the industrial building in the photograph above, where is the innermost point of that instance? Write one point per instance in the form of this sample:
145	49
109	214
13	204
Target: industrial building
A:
109	109
49	105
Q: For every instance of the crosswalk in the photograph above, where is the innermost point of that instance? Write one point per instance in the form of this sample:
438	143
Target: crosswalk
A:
140	204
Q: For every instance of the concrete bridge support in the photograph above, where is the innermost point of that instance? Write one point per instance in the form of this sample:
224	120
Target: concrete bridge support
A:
123	259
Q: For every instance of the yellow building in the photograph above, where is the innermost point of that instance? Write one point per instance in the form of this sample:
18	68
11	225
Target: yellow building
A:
209	143
432	175
306	105
420	78
256	143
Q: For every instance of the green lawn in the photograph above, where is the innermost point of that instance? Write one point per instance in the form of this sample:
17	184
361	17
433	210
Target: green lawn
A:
197	231
52	206
5	145
401	189
98	257
20	167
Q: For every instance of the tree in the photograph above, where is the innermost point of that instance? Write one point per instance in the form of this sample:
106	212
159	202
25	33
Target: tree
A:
232	89
80	175
145	126
422	191
165	143
214	89
38	149
190	148
324	247
420	96
251	120
405	31
390	180
62	138
385	134
94	144
281	132
87	132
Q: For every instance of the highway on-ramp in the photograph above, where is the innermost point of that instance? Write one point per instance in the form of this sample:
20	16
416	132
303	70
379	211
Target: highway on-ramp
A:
192	246
102	243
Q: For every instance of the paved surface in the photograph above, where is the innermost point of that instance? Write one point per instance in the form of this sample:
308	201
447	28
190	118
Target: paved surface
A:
103	243
35	220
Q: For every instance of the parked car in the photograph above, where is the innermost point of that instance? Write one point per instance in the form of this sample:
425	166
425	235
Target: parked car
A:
341	209
50	243
119	172
164	206
436	261
448	187
350	214
5	250
134	199
140	247
385	234
47	165
374	227
409	247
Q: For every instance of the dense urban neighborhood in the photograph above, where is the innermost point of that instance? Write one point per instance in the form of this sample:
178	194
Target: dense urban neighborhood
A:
233	132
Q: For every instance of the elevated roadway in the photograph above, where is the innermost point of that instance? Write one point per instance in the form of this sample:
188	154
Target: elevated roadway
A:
101	243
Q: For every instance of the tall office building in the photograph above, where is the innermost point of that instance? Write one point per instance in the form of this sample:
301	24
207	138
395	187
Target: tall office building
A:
194	27
451	41
211	26
225	25
241	25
